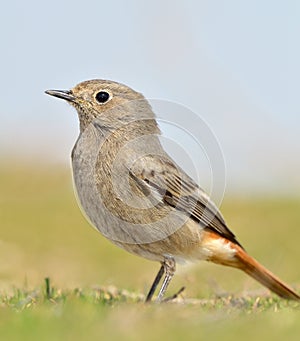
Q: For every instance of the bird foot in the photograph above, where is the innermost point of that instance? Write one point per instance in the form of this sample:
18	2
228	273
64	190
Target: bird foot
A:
173	297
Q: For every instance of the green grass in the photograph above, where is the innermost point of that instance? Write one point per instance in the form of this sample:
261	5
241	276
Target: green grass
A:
109	313
96	290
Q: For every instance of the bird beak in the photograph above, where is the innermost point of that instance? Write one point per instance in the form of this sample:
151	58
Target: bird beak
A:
64	94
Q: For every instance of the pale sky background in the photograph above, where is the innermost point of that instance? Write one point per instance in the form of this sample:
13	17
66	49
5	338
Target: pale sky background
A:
235	63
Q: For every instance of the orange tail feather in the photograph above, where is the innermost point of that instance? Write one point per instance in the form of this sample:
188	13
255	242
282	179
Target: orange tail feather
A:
264	276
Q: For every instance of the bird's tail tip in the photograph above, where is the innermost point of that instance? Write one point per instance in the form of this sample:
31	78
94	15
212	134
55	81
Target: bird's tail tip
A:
254	269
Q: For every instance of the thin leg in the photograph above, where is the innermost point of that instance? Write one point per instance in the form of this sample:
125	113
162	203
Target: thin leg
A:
170	268
155	283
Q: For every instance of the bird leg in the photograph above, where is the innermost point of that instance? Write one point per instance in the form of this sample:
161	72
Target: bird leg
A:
155	283
169	265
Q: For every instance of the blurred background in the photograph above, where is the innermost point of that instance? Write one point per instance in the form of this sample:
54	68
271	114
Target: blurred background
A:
234	63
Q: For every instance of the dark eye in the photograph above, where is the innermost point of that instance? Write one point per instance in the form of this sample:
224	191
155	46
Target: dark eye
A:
102	96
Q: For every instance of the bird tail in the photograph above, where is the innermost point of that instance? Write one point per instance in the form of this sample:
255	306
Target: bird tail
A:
250	266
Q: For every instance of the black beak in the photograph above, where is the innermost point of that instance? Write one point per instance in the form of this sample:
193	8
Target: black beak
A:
64	94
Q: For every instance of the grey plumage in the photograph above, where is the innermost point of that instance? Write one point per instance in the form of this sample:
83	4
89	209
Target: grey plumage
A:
137	196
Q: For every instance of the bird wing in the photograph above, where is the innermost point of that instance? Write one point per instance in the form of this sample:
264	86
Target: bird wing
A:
175	188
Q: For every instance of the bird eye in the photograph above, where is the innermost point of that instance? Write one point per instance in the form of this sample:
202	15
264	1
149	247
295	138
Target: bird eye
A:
102	97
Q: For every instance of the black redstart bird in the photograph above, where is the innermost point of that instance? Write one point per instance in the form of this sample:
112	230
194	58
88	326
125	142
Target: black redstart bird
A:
138	197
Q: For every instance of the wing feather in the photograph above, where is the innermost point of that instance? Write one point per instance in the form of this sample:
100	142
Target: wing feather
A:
178	190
